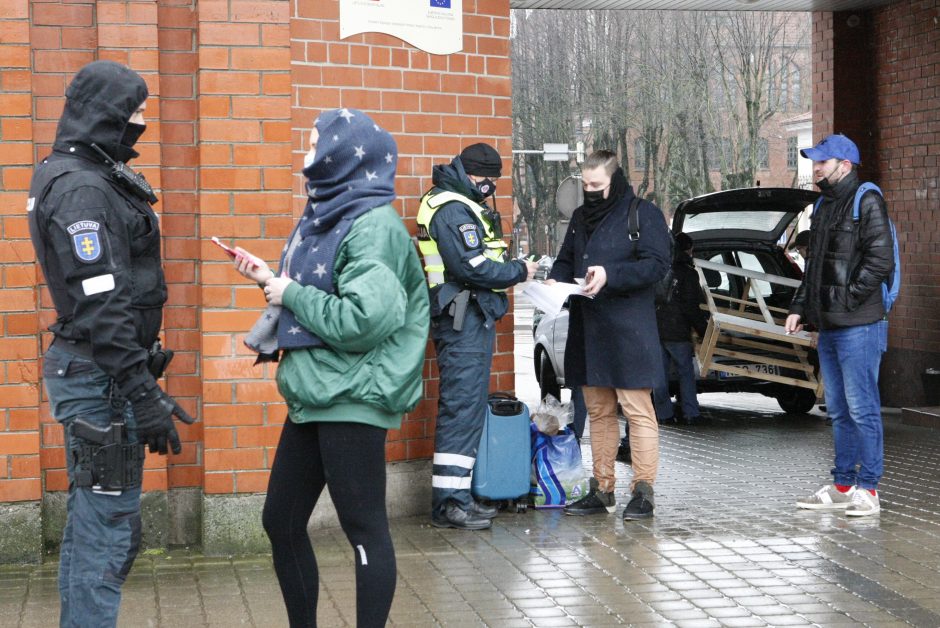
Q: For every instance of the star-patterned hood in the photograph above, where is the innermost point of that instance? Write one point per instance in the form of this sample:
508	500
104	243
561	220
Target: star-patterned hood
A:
353	171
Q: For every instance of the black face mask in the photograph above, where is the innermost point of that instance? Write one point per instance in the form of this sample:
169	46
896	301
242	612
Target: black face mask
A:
132	133
824	184
593	198
487	187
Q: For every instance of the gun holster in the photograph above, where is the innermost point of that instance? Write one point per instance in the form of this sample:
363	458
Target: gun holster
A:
458	308
158	359
105	461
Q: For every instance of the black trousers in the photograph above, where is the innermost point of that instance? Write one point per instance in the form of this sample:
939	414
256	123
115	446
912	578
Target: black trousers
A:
350	459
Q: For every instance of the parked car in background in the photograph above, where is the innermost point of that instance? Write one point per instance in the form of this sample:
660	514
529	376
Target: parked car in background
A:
743	228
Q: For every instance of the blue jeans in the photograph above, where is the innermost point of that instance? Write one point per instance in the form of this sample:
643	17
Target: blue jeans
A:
102	532
681	355
849	359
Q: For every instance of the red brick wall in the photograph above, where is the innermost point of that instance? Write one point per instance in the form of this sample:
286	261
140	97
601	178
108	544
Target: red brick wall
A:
235	85
876	79
19	391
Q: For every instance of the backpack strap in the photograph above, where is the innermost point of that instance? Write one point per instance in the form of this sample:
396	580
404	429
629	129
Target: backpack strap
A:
633	224
868	186
633	219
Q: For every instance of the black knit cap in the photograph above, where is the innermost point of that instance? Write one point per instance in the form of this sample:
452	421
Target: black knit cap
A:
482	160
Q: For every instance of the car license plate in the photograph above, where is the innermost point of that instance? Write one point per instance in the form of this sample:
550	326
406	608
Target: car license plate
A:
756	369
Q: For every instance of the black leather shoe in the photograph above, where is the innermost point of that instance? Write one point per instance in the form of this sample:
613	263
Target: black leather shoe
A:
456	517
487	511
698	419
670	421
641	503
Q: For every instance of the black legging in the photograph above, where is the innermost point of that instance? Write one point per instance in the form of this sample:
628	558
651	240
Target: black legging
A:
350	457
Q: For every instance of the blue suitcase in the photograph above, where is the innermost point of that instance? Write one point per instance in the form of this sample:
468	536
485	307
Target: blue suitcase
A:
503	465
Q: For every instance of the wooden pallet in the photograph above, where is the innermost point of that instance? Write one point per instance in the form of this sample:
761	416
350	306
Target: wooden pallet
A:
751	332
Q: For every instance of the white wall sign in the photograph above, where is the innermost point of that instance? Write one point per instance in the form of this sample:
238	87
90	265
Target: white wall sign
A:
435	26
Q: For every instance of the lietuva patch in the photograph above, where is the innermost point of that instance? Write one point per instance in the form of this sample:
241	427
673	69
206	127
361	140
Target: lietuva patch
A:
85	240
470	237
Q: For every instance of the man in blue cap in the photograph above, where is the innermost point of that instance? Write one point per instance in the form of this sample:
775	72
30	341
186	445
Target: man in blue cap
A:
847	261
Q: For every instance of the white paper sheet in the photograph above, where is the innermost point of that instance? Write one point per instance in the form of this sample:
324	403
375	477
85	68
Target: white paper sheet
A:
550	298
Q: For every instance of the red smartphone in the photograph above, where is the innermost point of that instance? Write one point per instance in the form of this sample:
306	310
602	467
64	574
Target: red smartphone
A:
232	253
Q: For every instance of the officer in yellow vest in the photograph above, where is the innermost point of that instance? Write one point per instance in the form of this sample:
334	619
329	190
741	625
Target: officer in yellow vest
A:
468	269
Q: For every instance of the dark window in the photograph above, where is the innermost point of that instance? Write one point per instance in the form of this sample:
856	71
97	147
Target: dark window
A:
791	153
639	153
763	154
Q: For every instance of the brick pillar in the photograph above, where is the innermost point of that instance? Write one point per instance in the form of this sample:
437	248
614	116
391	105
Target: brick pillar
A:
244	198
20	484
178	65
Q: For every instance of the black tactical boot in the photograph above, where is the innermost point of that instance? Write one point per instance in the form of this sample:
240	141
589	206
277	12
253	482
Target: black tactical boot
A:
456	517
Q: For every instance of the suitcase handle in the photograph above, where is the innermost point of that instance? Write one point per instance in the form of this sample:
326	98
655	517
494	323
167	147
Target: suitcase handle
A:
505	406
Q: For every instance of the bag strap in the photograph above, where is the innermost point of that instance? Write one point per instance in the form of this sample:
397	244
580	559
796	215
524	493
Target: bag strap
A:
868	186
633	219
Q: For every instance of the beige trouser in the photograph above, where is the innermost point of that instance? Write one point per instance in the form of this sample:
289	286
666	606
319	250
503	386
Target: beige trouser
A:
605	433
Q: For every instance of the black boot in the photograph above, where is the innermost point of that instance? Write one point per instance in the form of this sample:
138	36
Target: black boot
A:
641	503
595	502
487	511
456	517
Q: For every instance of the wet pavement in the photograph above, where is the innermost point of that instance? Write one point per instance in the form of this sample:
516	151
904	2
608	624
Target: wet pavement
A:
727	547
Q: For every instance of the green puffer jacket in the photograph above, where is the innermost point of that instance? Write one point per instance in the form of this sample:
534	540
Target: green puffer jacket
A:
375	326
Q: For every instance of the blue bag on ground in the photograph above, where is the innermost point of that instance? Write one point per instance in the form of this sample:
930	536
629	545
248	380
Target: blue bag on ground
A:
501	470
557	475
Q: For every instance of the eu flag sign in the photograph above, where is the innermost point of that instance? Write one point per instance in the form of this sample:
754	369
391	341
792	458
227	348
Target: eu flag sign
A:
440	4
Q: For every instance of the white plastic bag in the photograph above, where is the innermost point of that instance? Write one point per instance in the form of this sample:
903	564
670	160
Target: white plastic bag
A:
551	416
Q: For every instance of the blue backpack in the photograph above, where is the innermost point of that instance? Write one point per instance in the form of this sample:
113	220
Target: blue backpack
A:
892	285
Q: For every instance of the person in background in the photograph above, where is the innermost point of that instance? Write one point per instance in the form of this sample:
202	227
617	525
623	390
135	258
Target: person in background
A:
847	262
678	313
348	321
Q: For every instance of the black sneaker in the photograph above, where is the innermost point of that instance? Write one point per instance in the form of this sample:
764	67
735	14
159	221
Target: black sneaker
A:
641	503
595	502
623	451
456	517
487	511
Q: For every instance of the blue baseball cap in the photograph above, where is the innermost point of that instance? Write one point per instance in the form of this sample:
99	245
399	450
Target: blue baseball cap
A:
833	147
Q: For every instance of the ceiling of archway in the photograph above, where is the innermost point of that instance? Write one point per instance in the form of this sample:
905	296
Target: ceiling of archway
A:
703	5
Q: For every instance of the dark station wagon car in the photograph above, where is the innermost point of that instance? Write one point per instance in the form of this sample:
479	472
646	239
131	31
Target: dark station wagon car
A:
742	228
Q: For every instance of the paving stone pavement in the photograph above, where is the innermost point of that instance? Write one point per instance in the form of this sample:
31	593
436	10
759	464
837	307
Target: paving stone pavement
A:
727	547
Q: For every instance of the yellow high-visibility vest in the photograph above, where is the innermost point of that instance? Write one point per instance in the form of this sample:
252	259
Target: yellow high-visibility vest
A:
494	248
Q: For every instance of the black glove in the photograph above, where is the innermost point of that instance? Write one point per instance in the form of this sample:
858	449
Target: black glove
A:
154	411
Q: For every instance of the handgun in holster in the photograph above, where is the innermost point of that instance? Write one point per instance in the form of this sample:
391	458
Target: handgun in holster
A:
105	461
458	308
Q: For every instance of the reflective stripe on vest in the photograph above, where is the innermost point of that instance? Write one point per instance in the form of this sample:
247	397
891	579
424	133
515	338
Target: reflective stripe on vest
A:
494	248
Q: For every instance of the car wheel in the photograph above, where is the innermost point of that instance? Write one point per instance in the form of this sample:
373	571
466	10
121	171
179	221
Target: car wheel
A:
548	383
795	400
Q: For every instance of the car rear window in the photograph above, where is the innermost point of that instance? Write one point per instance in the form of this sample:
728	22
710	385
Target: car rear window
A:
762	221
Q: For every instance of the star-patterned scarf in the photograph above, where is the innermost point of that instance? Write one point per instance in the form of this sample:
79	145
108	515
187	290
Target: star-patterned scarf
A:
353	172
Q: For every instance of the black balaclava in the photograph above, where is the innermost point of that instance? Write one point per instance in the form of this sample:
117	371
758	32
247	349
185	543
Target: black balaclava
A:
594	213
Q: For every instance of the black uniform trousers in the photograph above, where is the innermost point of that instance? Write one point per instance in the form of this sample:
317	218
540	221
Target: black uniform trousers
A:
464	360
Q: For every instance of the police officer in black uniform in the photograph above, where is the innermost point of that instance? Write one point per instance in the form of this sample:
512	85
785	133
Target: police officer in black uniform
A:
98	242
468	271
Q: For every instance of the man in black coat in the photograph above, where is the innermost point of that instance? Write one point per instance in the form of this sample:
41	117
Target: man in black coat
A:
841	294
98	242
677	314
613	345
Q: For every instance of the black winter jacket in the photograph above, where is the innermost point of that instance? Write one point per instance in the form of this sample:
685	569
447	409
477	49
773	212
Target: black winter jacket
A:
677	318
97	243
848	260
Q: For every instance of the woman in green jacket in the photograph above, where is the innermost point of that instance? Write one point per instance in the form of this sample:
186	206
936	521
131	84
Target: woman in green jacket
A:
348	319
